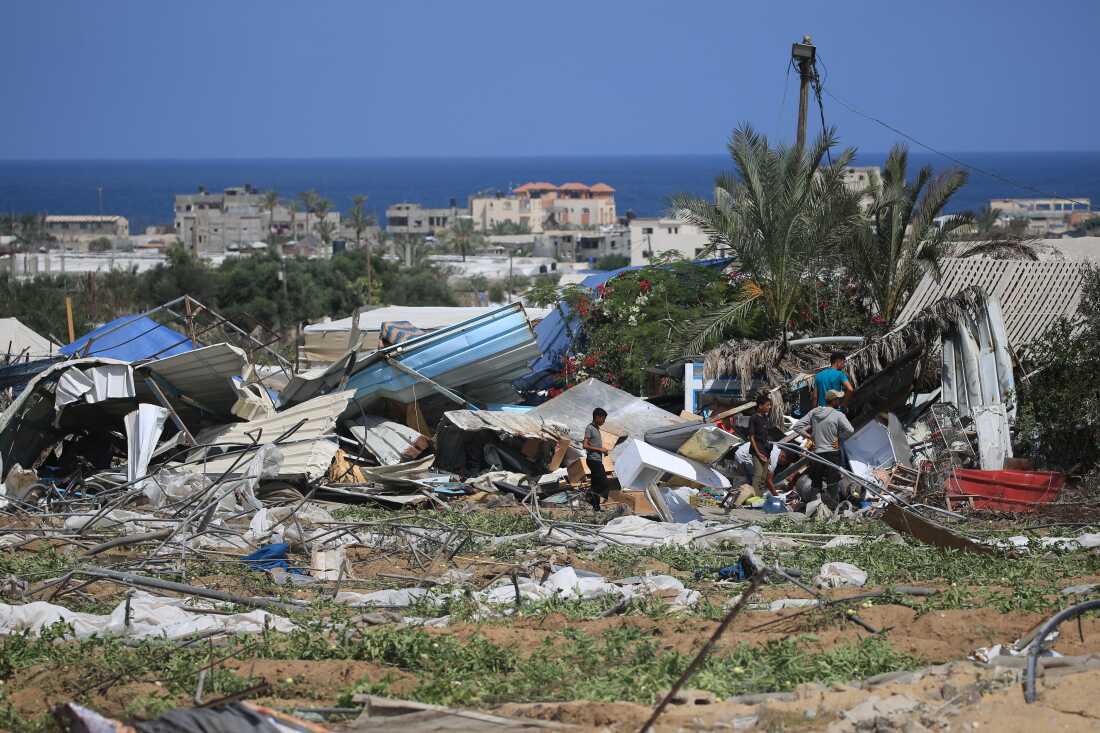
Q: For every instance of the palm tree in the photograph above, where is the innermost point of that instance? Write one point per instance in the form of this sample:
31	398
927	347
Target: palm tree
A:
325	230
461	236
292	209
309	202
360	221
269	204
899	238
782	217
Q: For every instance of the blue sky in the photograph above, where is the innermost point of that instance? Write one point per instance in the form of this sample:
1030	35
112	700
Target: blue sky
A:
331	78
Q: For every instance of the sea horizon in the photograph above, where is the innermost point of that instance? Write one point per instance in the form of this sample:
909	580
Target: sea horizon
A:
143	189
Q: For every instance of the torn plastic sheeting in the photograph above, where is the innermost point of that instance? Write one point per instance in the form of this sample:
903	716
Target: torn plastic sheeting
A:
388	441
143	428
126	521
270	557
149	616
568	583
636	531
271	525
401	598
626	414
840	575
639	465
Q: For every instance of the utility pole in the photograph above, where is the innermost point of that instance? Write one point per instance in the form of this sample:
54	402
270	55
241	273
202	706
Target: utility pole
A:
804	54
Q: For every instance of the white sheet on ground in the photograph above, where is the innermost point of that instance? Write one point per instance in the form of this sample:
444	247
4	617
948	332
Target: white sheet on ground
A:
150	616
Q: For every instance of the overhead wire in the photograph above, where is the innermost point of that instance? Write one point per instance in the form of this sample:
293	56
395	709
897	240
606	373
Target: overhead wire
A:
969	166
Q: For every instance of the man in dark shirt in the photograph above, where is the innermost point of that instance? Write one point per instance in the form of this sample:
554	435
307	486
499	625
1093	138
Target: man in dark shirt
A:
594	451
761	444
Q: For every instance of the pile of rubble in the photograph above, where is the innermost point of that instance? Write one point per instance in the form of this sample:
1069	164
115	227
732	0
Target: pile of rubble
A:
141	436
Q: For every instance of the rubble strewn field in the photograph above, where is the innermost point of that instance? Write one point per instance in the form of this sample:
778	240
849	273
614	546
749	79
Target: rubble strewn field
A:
361	547
564	660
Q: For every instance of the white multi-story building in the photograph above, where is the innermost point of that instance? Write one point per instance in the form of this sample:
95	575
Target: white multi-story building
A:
1044	215
650	238
539	206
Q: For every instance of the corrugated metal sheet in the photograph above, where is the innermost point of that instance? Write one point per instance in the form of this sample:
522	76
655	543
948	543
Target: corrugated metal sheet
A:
205	375
306	453
524	425
1033	295
478	358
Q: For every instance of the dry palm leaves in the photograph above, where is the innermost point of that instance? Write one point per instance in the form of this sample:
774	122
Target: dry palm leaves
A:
746	359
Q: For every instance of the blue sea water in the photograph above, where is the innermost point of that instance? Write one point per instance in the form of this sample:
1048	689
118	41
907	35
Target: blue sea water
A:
143	190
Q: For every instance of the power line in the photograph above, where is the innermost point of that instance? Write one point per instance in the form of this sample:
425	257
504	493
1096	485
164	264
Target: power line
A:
952	158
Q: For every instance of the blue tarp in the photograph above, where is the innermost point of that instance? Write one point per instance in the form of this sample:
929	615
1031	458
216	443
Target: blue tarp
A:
131	338
556	332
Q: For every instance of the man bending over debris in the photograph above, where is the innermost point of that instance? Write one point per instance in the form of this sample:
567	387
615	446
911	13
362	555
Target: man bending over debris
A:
832	378
594	453
827	425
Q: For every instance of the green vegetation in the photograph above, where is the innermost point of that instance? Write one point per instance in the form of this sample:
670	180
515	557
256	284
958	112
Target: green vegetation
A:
620	664
612	262
784	216
634	320
244	289
1060	415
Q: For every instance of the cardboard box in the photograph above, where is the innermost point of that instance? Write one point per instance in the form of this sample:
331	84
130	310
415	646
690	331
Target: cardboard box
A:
578	471
559	454
636	501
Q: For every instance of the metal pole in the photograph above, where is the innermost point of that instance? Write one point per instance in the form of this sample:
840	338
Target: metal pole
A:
804	55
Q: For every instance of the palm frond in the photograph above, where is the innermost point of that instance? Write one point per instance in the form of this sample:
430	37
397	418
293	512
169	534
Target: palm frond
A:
707	328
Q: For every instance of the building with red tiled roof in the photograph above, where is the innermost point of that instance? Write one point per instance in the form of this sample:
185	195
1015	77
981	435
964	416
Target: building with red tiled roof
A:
538	205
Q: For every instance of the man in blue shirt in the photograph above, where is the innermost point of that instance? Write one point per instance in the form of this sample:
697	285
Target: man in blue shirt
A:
832	378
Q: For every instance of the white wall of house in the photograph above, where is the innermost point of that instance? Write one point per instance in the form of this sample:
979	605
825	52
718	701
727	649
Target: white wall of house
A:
652	237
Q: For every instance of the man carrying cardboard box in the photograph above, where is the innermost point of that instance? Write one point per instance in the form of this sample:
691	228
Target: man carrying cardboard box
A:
594	453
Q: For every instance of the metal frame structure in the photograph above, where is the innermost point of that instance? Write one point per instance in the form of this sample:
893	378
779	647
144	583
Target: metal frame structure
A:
197	321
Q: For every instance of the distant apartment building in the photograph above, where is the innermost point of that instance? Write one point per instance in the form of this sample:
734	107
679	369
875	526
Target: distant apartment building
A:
214	223
81	230
650	238
1044	215
413	218
541	206
858	177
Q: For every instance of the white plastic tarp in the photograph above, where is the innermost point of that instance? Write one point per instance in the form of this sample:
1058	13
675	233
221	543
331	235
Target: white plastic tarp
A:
149	616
